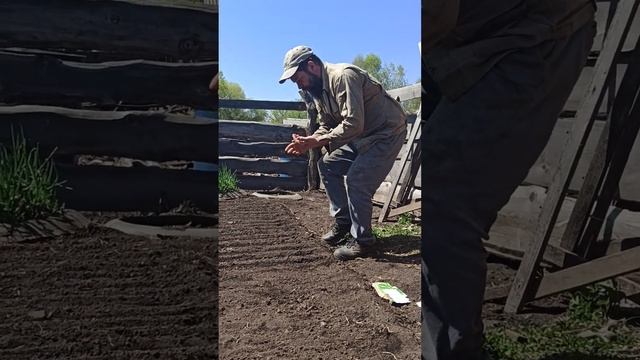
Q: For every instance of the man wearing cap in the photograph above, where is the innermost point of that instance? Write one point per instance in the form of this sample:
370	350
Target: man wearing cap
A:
363	130
497	74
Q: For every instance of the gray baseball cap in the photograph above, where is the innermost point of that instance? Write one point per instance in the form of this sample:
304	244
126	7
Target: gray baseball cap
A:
292	59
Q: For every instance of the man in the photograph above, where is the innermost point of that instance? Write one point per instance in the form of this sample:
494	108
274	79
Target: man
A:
497	74
363	129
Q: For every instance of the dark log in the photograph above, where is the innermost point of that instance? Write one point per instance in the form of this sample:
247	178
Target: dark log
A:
142	135
291	167
257	131
155	30
109	188
45	80
231	147
262	104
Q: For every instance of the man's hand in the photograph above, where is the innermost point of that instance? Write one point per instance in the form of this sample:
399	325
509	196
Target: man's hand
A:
301	144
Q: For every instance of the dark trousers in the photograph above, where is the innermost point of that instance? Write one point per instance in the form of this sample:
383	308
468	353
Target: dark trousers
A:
476	151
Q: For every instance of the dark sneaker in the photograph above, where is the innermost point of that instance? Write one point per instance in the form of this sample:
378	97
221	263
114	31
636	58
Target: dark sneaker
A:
353	249
337	234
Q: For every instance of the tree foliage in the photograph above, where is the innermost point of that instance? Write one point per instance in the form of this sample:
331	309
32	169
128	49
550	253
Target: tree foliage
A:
390	75
278	116
231	90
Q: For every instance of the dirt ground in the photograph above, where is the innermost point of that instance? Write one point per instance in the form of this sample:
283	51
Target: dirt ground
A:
101	294
282	296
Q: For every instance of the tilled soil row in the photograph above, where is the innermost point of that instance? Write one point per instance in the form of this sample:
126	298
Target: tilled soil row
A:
283	296
101	294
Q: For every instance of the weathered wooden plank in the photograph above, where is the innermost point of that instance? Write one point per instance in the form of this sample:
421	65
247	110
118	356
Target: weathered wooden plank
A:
272	182
143	135
313	174
257	131
113	29
541	173
288	166
516	220
262	104
231	147
136	189
584	119
588	273
412	91
49	81
405	208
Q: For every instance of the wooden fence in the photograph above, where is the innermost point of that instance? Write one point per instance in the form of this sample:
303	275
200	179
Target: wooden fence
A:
96	82
255	151
512	232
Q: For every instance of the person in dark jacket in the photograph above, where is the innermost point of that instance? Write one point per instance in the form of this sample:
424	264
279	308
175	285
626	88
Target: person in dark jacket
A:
496	74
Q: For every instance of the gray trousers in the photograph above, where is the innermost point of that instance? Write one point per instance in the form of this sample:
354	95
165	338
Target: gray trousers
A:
476	151
350	196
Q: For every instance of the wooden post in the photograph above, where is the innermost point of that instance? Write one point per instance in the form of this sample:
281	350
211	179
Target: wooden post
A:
313	176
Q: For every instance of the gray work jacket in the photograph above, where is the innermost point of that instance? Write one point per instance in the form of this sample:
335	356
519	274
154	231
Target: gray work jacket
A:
355	108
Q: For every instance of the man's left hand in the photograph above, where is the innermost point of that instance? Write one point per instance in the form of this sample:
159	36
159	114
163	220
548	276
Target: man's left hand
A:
301	144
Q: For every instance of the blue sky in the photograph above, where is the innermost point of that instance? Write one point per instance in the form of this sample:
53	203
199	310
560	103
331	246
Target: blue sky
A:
255	35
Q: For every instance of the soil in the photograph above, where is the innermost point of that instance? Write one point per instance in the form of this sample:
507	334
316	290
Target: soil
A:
283	296
101	294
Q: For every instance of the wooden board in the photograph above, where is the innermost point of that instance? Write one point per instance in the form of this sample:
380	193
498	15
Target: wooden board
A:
262	104
231	147
258	131
109	188
288	166
541	173
412	91
113	29
588	273
142	135
46	80
514	225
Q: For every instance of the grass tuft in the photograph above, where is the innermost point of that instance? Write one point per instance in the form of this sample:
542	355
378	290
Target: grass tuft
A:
27	184
405	226
227	180
585	332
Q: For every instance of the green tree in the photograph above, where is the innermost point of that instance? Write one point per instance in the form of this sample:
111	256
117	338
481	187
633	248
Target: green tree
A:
231	90
390	75
277	116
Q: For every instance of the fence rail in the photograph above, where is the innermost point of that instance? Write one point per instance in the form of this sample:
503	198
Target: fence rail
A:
72	60
261	145
114	30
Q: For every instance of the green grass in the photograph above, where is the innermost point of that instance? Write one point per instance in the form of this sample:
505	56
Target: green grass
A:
27	184
227	180
585	332
405	226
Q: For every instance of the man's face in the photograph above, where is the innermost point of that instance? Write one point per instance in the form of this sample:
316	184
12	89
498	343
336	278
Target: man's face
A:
306	80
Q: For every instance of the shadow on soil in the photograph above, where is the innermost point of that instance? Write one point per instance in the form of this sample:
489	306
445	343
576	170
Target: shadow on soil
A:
399	249
581	356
